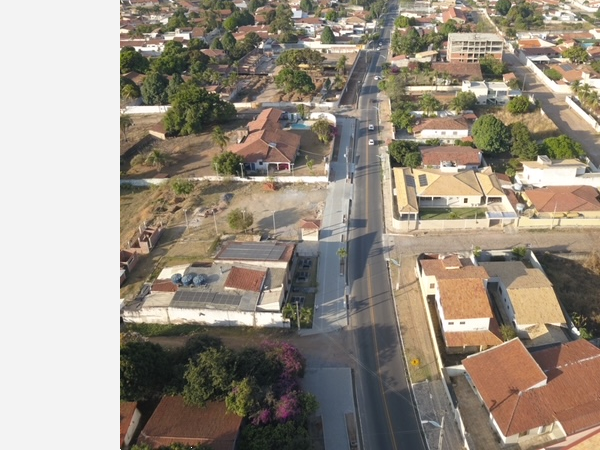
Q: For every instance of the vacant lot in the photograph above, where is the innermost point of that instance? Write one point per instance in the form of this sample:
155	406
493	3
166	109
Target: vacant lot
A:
577	287
281	209
539	125
454	213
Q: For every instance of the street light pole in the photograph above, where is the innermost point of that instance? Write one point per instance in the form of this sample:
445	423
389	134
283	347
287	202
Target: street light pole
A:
186	219
242	168
274	227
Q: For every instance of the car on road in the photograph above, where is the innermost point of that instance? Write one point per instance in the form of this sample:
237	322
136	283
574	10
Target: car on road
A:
376	77
371	142
371	127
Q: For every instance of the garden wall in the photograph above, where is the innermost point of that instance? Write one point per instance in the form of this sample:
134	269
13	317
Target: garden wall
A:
145	182
455	224
581	113
526	222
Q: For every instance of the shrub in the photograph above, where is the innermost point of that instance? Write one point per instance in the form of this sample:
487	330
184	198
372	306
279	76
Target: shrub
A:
182	187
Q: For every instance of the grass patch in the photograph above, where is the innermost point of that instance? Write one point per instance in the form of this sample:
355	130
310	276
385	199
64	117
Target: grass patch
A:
418	371
155	329
451	214
538	124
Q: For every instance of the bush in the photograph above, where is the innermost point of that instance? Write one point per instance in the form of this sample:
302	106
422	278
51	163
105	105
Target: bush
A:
518	105
138	159
182	187
553	74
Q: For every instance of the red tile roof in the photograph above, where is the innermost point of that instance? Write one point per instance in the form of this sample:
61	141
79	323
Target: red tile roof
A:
564	199
245	279
127	410
464	298
310	224
568	385
268	118
442	123
173	422
164	286
460	155
258	146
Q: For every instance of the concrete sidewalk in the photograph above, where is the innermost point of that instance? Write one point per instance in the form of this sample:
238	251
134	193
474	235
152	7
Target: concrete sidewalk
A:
330	307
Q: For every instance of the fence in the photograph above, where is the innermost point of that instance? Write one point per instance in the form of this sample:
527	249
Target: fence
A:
581	113
433	88
145	182
526	222
541	76
454	224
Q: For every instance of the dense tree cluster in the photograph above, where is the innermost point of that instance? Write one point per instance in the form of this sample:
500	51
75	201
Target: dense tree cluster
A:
405	153
490	134
259	384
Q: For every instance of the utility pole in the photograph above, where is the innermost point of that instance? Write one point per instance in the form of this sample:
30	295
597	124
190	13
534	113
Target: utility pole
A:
298	314
441	433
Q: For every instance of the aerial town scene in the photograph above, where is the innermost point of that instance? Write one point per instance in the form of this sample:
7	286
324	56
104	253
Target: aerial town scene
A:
359	224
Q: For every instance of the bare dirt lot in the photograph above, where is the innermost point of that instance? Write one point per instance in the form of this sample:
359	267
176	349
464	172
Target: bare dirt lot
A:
281	209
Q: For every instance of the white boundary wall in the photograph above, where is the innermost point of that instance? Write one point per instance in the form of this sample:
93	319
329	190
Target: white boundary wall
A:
581	113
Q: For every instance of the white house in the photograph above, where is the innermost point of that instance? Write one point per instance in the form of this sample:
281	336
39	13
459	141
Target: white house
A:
445	128
556	172
496	93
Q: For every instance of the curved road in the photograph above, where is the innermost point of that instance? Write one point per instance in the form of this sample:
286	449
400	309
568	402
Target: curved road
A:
387	412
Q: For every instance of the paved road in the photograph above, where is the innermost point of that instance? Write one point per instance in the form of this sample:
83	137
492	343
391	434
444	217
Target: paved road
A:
388	417
555	107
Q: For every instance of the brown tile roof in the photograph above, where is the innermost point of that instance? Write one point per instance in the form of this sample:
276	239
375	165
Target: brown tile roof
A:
137	78
464	298
127	410
173	422
564	199
505	376
461	156
268	118
509	77
216	53
531	294
245	279
460	70
437	268
257	146
442	123
310	224
164	286
453	14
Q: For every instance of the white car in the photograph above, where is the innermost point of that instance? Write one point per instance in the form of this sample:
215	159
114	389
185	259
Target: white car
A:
371	142
376	77
371	127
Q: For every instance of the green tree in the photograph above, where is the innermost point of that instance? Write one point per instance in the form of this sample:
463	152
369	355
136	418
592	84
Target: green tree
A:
307	6
576	54
230	24
342	253
145	370
216	44
129	90
219	138
404	22
429	104
327	36
303	110
341	65
323	129
193	108
126	122
562	147
291	435
288	37
289	80
331	16
519	105
154	89
463	101
242	400
403	119
227	163
157	159
173	87
181	186
408	43
173	59
228	41
490	134
523	145
209	377
553	74
399	150
492	67
283	19
132	61
395	88
503	6
239	219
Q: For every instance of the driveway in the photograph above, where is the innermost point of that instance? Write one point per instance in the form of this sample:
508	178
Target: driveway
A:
556	108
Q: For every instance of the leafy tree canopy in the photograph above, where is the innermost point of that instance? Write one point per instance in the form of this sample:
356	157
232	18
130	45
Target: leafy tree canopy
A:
490	134
132	61
576	54
239	219
145	370
523	145
290	80
227	163
491	66
293	58
562	147
327	36
519	105
463	101
400	151
154	89
503	6
193	107
323	129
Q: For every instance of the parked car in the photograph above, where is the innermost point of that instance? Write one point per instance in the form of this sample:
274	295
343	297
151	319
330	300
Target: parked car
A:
371	127
371	142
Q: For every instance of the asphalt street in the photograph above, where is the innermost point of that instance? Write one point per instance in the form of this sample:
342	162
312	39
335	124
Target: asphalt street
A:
387	412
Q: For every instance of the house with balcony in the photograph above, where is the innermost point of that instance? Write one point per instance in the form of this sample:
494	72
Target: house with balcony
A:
490	93
548	398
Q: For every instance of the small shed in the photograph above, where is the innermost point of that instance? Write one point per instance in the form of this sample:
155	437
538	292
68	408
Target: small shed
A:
310	229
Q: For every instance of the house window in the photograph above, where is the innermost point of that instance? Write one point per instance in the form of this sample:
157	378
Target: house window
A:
545	429
431	285
500	290
524	433
450	323
443	133
466	200
454	133
461	323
